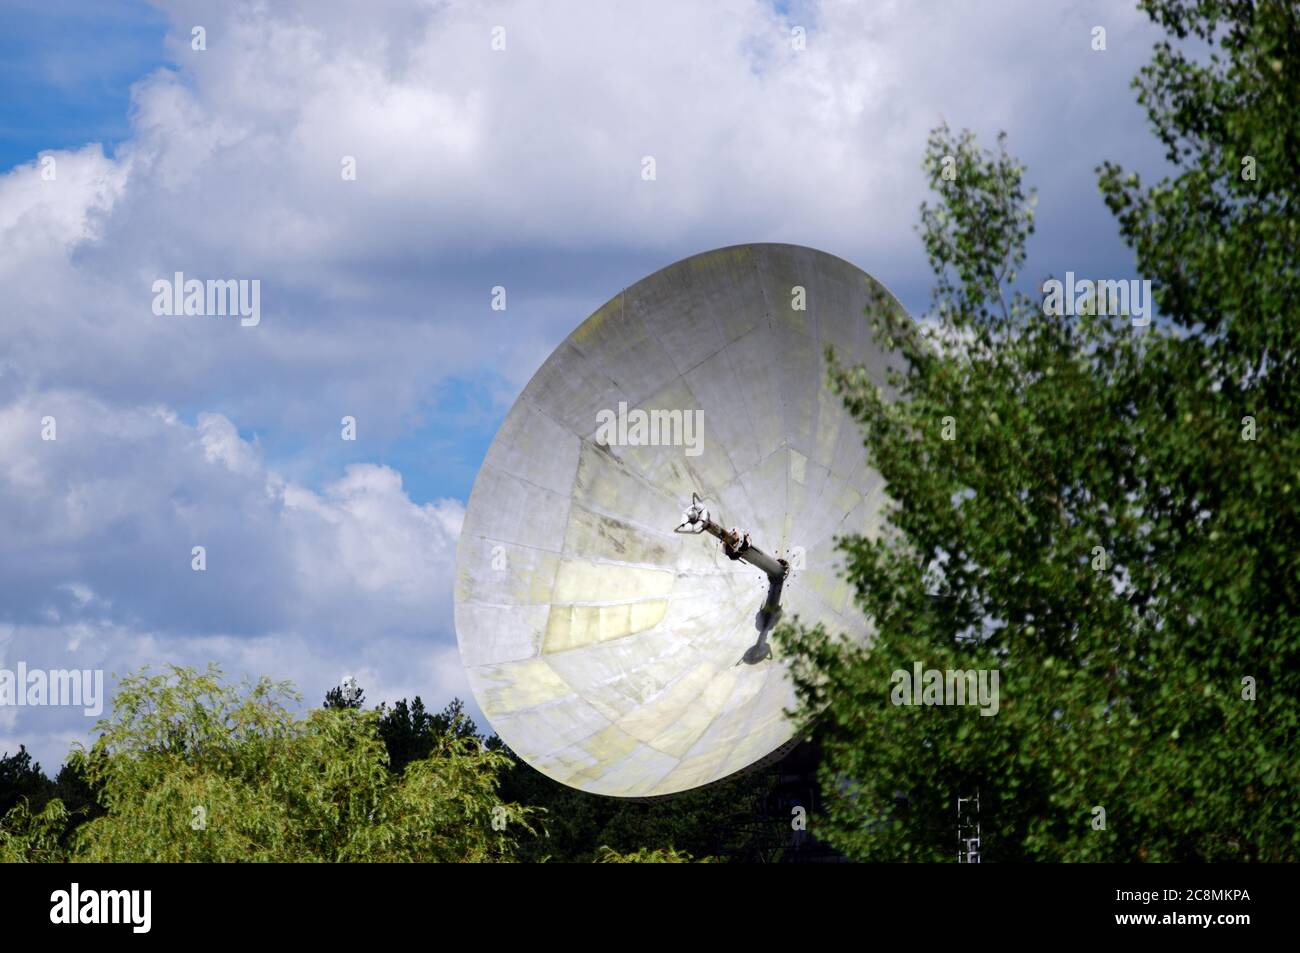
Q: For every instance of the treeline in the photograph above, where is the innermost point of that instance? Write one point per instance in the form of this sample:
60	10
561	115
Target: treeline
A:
191	768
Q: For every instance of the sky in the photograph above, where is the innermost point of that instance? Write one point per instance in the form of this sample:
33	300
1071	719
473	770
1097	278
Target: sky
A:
494	144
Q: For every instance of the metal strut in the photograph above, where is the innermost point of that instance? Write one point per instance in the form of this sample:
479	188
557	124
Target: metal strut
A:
736	545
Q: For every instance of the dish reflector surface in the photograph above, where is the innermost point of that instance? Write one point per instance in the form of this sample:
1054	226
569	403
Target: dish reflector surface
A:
604	649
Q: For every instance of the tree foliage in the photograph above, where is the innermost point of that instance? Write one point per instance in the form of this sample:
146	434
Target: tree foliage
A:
1112	524
411	733
21	780
189	768
726	820
607	855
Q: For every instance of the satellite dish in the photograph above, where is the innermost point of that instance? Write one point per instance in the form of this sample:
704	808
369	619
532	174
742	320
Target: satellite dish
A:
669	485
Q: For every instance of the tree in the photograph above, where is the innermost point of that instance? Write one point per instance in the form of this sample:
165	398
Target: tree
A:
189	768
347	695
22	779
29	835
453	720
726	820
607	855
407	732
76	792
27	799
1103	515
411	733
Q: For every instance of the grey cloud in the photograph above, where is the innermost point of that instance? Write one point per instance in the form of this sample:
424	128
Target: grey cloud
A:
475	168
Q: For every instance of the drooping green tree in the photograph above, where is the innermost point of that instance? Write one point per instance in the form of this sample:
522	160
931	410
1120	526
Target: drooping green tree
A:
1104	514
190	768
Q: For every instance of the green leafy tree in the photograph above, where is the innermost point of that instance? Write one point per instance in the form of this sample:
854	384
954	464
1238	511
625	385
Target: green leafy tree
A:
29	835
1104	515
189	768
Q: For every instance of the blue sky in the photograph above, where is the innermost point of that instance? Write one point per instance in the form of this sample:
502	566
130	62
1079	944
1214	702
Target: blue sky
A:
67	66
475	168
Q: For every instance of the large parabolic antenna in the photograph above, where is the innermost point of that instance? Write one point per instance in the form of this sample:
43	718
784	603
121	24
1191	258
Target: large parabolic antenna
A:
614	641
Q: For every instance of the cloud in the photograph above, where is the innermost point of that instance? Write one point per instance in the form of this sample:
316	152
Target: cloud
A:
475	167
471	162
97	570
